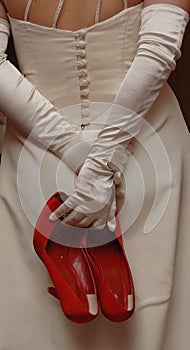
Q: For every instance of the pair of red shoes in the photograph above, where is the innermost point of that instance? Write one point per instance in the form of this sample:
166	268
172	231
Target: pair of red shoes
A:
83	271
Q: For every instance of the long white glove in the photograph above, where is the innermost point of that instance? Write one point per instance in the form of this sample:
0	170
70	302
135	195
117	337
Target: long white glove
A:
160	40
34	114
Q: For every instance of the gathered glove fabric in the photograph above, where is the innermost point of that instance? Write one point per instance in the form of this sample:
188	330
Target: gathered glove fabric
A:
34	114
160	38
94	195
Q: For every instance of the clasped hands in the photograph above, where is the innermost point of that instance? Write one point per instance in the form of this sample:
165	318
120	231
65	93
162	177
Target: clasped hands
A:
95	199
93	203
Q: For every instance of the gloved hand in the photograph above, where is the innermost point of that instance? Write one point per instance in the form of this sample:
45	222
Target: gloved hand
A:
94	195
161	34
34	114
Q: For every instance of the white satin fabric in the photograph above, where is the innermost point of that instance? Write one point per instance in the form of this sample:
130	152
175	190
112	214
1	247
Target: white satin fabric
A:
154	218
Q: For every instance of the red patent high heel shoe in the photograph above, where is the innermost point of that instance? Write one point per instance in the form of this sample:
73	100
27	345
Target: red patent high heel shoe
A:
67	265
112	274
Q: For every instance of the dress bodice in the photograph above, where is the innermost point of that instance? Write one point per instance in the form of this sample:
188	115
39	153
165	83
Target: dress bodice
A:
76	68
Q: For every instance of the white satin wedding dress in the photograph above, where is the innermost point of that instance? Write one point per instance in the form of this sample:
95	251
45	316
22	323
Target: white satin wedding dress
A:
79	72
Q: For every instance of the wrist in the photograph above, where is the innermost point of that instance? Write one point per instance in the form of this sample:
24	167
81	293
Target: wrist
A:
112	164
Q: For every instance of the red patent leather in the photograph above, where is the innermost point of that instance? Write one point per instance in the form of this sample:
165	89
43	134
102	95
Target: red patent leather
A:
67	266
98	270
113	278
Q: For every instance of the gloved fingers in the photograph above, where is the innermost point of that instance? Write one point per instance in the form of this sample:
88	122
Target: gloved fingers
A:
120	197
62	211
112	210
78	219
73	216
99	224
73	219
111	216
86	222
81	218
112	224
108	217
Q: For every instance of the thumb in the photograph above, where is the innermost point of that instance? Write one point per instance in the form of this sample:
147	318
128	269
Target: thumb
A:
111	216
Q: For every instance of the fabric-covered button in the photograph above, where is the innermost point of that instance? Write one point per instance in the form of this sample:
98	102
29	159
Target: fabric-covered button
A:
81	44
82	32
76	35
84	82
82	63
81	53
85	113
85	120
85	103
84	92
83	73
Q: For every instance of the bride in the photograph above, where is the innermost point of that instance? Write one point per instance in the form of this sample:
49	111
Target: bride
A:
92	91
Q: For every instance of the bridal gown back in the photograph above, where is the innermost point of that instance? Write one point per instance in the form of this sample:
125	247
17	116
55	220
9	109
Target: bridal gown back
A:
80	72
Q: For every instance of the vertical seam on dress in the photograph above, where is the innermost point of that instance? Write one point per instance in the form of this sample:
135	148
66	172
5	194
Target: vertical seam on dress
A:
32	54
57	13
27	9
125	4
126	38
124	44
98	9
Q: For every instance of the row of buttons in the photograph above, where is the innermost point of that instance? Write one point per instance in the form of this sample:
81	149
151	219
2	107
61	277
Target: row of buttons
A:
83	75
